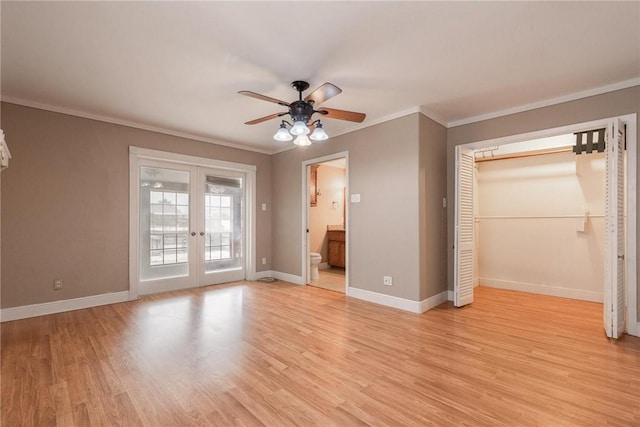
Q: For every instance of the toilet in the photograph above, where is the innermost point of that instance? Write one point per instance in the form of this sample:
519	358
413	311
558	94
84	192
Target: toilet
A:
316	258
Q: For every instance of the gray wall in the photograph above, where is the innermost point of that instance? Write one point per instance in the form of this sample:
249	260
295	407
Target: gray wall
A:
610	104
385	229
433	218
65	203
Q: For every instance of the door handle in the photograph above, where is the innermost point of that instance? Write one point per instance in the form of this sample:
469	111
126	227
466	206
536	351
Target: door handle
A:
621	256
202	233
193	233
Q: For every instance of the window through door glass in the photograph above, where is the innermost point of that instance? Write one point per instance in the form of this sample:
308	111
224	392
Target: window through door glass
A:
164	223
223	200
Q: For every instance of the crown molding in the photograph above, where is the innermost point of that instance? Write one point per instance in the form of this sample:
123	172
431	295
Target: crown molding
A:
548	102
420	109
378	121
128	123
433	116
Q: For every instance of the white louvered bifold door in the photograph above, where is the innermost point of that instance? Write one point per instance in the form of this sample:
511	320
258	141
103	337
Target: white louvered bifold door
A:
614	287
463	254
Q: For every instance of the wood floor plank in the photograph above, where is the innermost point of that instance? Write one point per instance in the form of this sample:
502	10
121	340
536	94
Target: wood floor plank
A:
254	354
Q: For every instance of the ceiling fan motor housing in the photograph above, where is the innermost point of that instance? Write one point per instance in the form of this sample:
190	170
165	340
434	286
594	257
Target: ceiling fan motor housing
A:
301	111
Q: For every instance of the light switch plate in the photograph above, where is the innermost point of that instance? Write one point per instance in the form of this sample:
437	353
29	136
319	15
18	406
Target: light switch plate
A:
355	198
264	206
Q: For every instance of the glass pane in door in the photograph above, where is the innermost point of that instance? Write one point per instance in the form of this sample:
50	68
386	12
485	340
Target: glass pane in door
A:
223	223
164	223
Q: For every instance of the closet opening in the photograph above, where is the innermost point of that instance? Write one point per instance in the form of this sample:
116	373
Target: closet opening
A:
542	213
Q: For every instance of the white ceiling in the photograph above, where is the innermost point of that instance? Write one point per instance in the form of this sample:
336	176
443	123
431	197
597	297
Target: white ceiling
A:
178	66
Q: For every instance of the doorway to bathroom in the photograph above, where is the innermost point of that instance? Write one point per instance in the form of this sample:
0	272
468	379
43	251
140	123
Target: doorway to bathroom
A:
325	252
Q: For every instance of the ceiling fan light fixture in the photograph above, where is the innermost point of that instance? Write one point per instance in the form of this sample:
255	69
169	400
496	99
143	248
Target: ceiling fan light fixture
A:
299	128
302	140
301	112
282	134
319	134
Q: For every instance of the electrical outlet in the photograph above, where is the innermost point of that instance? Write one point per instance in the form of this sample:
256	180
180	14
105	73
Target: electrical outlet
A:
387	280
264	261
57	284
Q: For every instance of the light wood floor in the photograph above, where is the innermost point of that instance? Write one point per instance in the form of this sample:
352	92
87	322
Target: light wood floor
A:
279	354
332	279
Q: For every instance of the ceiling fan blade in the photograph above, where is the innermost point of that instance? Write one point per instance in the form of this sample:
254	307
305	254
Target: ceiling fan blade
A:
351	116
264	119
324	92
263	97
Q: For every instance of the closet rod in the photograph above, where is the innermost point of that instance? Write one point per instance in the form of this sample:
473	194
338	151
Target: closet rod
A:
478	217
527	154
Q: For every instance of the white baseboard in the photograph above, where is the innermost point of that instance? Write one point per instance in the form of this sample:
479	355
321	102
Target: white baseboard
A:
395	302
33	310
384	299
434	301
555	291
449	295
323	266
286	277
263	274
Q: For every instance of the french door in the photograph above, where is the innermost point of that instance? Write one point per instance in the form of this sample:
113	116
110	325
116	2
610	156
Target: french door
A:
191	225
221	226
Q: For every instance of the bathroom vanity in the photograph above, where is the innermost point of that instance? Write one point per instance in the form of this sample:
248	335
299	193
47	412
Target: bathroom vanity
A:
337	246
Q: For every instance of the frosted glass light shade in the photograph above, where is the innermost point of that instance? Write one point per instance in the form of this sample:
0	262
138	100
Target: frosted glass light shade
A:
302	140
319	134
282	135
299	128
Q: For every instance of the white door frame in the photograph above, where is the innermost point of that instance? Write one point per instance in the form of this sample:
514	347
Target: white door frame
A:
136	154
306	267
632	324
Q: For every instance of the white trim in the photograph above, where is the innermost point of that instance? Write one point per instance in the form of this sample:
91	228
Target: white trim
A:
291	278
433	116
419	109
263	274
631	256
635	332
393	116
285	277
129	123
251	191
306	268
378	121
631	121
134	226
556	291
323	266
434	301
417	307
383	299
33	310
450	295
546	103
167	156
543	133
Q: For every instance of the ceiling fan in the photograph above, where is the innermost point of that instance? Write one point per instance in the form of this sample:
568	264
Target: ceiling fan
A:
302	111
